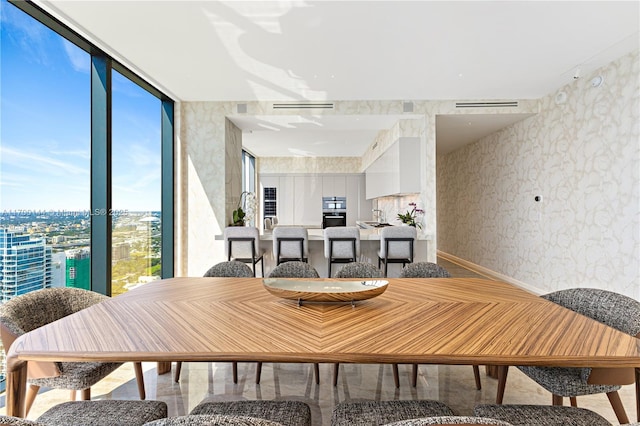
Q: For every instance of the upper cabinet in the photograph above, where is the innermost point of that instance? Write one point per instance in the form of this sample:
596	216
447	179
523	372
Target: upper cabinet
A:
396	171
334	186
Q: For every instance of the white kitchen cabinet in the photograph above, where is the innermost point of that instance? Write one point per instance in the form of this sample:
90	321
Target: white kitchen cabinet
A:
396	171
334	186
286	197
307	210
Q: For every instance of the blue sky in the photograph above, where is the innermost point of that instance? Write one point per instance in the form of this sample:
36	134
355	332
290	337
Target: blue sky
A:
45	125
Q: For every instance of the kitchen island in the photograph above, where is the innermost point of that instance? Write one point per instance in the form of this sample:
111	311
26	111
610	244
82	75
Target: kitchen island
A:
369	247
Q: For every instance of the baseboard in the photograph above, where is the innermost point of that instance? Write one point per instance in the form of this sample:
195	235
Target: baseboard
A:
481	270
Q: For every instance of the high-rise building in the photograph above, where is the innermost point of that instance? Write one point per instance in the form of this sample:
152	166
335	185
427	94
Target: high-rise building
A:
79	268
25	264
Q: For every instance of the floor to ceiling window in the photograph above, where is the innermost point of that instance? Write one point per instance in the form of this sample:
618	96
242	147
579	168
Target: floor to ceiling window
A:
64	222
136	194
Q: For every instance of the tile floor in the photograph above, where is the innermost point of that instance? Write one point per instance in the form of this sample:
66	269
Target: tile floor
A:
453	385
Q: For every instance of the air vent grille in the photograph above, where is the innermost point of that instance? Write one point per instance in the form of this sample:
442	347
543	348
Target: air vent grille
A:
498	104
304	105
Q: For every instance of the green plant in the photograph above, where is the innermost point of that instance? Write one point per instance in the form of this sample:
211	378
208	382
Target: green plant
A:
238	216
411	215
245	205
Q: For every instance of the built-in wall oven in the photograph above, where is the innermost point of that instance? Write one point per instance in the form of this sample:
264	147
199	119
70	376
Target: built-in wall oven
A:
334	211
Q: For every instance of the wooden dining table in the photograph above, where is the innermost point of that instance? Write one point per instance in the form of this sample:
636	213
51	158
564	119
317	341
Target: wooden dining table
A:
415	321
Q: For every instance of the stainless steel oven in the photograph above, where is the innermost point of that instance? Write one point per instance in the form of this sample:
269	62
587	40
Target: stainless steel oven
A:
334	211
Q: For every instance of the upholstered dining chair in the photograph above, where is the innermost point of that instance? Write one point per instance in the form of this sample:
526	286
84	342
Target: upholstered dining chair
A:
341	245
293	269
284	412
367	412
541	415
450	420
396	246
231	268
613	309
212	420
41	307
242	243
431	270
290	243
361	270
107	412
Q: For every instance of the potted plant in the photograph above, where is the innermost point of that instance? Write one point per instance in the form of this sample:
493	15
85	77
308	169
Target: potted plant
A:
410	217
245	205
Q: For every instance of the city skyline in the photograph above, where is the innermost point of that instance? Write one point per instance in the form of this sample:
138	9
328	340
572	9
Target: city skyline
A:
45	132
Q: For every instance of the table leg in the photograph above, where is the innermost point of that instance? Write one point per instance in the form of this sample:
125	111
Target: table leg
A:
502	382
16	387
164	367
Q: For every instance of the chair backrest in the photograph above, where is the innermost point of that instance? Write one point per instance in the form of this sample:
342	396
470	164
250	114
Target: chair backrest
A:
450	420
212	419
290	249
402	249
17	421
294	269
359	270
232	268
424	270
341	249
244	249
38	308
613	309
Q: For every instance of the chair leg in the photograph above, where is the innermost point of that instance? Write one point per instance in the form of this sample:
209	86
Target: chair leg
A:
556	400
316	370
386	266
176	374
137	366
396	376
72	397
258	372
85	394
234	368
329	268
335	373
573	401
618	408
638	393
476	375
503	371
262	267
414	375
32	391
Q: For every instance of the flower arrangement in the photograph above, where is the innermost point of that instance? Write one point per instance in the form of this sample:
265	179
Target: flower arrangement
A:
246	207
411	216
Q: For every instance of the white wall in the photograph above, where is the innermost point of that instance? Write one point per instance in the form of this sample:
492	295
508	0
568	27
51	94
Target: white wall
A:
583	158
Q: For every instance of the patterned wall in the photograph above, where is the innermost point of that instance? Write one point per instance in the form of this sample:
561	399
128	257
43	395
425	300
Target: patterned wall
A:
309	164
582	155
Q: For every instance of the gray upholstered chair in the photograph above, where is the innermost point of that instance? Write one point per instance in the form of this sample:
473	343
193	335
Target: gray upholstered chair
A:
290	243
431	270
231	268
361	270
383	412
212	420
450	420
541	415
424	270
242	243
108	412
293	269
41	307
341	245
396	245
613	309
286	413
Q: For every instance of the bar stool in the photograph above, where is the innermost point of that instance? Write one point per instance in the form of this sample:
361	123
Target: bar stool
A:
396	245
242	243
341	245
290	243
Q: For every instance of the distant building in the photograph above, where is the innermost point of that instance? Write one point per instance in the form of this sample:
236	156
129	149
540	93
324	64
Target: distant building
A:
25	264
58	272
120	251
78	269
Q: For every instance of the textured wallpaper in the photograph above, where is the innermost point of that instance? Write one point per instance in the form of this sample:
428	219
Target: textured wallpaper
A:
309	164
581	154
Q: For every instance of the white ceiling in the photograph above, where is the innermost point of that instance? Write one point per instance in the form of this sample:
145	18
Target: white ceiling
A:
355	50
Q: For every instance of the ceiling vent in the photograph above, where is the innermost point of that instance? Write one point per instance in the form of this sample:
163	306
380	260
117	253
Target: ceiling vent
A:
499	104
303	105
